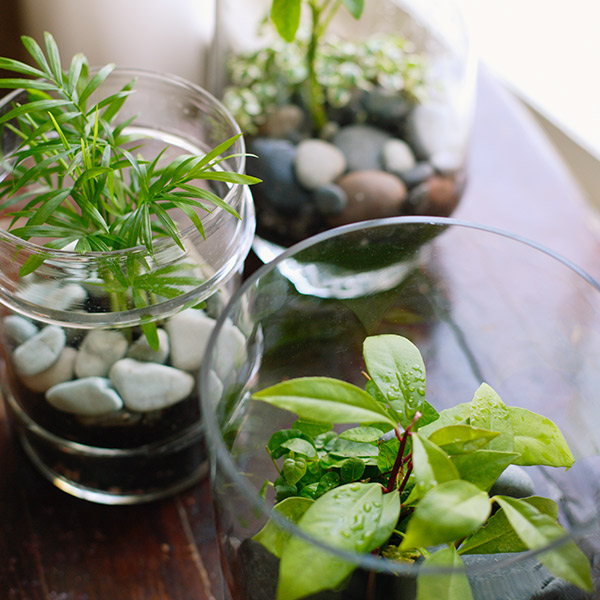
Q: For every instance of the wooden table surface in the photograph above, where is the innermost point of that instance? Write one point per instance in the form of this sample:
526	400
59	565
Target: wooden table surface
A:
54	547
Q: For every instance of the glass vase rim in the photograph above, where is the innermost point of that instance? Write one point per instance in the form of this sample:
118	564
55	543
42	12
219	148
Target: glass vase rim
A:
222	458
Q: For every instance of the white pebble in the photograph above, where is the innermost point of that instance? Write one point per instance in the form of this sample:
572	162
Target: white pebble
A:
90	396
141	350
147	386
99	350
66	297
318	163
39	352
397	156
188	334
59	372
18	329
230	350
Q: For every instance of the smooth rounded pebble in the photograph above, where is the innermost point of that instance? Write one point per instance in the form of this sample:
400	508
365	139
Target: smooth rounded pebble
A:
147	386
39	352
99	350
398	156
66	297
18	329
362	146
514	482
284	121
141	350
61	371
90	396
188	334
275	166
318	163
371	195
229	352
330	199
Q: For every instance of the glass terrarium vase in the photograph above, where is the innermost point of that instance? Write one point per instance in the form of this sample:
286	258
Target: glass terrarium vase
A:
355	118
100	411
481	305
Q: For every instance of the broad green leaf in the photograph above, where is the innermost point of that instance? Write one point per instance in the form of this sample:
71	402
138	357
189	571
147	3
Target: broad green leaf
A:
444	586
351	469
345	518
431	466
387	454
489	412
300	446
285	15
483	467
272	536
461	439
274	446
537	530
456	415
325	399
346	448
390	512
447	512
294	469
355	7
497	535
328	482
396	366
312	428
538	440
362	434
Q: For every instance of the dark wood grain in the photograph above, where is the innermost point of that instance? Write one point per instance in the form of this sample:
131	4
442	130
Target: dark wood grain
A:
54	547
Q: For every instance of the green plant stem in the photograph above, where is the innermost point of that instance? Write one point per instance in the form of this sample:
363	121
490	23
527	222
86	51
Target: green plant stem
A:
315	98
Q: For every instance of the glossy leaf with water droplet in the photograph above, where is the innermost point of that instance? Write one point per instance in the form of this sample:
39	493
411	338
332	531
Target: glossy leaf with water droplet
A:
431	466
327	400
538	530
487	410
338	519
396	366
446	513
538	440
444	586
462	439
272	536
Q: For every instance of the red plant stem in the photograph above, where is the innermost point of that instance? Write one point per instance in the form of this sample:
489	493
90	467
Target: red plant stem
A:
400	456
406	476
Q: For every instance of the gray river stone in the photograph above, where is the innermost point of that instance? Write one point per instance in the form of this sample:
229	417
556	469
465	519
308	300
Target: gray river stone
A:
19	329
141	350
39	352
362	146
61	371
90	396
515	482
99	350
148	386
188	335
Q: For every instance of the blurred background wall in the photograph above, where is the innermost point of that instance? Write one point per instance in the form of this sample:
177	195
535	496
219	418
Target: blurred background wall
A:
161	35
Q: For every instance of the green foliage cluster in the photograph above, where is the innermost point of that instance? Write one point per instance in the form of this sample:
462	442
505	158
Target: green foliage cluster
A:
314	71
78	176
421	493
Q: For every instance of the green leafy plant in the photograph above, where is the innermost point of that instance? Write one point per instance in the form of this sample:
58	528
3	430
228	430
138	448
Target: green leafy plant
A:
417	493
315	71
78	177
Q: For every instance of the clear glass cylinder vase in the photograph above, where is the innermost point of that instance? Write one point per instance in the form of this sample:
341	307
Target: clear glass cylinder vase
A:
481	305
103	414
356	118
